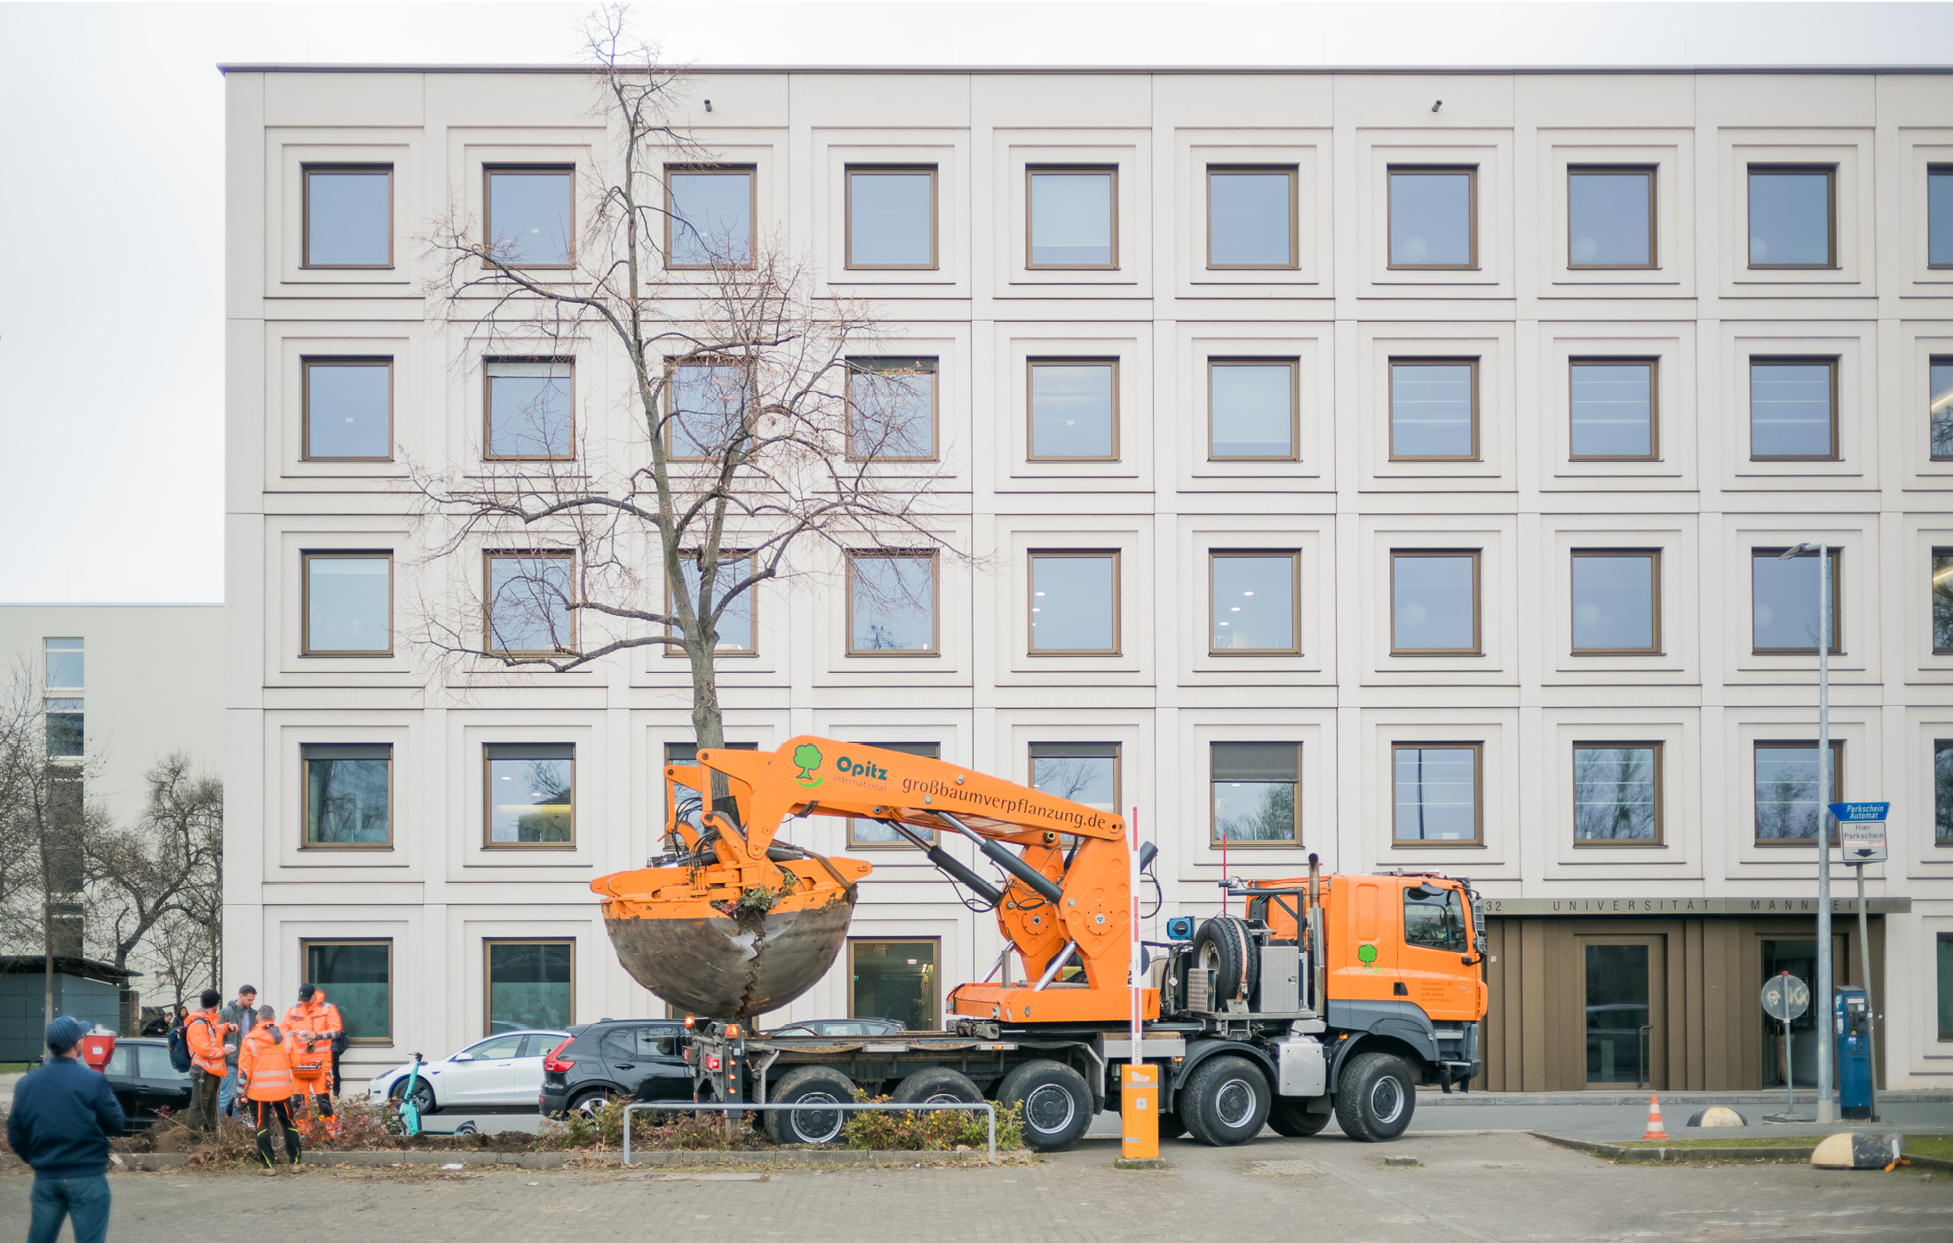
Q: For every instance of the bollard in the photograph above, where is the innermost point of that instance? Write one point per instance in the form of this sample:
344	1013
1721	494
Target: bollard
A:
1139	1112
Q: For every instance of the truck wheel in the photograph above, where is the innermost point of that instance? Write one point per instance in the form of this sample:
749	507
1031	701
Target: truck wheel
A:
1289	1118
1225	946
814	1085
1225	1101
1053	1102
1171	1127
1375	1096
936	1085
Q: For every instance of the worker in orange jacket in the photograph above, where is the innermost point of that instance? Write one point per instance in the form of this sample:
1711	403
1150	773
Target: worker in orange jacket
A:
207	1034
310	1026
264	1069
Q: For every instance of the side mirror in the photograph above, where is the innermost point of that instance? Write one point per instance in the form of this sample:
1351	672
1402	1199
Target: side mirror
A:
462	1057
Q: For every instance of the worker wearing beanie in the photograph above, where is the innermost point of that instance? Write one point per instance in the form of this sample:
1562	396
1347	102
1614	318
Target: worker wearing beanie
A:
210	1047
310	1026
63	1115
264	1068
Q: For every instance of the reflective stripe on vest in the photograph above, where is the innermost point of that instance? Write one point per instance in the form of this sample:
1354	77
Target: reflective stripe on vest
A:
269	1072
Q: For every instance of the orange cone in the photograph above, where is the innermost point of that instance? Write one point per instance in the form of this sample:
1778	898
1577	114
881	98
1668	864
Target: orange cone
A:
1654	1120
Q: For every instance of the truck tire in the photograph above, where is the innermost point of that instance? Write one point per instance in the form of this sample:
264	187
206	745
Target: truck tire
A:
822	1085
936	1085
1375	1096
1225	1101
1225	946
1053	1103
1289	1117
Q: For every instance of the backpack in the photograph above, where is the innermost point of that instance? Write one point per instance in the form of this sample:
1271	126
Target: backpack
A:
180	1050
339	1041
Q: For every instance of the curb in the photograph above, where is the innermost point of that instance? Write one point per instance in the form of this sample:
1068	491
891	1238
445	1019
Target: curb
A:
1615	1152
1457	1100
150	1162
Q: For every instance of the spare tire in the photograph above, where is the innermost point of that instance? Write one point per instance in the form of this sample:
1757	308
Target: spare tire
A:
1226	946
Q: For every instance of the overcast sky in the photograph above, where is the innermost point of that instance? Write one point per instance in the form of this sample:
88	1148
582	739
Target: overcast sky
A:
111	179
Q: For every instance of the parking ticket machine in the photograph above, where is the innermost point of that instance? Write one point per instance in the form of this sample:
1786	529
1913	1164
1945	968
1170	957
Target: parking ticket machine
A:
1852	1023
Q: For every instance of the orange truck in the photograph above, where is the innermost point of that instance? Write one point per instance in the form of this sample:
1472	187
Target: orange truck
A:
1326	996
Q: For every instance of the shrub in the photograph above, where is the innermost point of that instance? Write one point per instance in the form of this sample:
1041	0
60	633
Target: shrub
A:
930	1130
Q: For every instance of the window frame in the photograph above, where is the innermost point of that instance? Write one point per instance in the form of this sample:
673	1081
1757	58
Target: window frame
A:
305	171
670	429
848	172
1939	939
1653	363
1830	172
1940	839
1478	607
1478	797
1837	791
489	557
488	410
1213	809
1932	171
1390	212
1118	757
1932	555
488	978
305	558
1031	172
305	945
1030	406
305	762
1477	454
855	366
751	172
1660	838
1936	360
1294	556
927	835
64	704
80	645
488	801
1651	171
1837	599
751	594
488	172
1654	603
1030	596
935	647
1830	361
305	365
1294	366
935	979
1294	174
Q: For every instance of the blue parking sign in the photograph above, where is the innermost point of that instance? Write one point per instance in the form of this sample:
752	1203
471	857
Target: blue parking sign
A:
1849	813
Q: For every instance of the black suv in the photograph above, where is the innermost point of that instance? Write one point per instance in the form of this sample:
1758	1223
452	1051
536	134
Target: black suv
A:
144	1081
639	1058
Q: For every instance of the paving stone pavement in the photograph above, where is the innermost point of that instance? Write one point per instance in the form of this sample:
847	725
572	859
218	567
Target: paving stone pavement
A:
1484	1188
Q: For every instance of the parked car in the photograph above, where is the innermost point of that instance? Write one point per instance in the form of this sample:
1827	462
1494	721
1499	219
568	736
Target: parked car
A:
640	1058
503	1072
839	1027
140	1075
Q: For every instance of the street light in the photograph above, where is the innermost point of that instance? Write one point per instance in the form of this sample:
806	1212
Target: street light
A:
1822	1006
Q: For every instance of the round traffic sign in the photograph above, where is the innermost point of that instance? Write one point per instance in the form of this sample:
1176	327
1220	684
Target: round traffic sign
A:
1785	997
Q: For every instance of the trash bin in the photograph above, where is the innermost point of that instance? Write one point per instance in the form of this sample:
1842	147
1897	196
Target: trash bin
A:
1854	1034
96	1048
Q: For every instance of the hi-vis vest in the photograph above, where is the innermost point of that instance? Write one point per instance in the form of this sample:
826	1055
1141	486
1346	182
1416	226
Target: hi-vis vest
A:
266	1064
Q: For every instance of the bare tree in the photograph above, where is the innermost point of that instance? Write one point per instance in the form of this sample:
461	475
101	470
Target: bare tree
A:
752	429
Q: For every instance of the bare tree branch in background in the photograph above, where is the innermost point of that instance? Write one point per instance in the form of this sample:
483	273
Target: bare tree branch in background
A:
169	863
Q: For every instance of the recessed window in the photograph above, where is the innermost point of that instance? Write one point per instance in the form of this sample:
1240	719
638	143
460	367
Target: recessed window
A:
1434	603
1943	946
348	409
1792	215
892	410
527	406
1784	612
896	980
1793	409
1942	592
358	977
1254	599
65	664
529	797
1435	790
1083	772
1434	409
1074	603
1074	410
709	216
892	217
1434	217
349	216
1787	797
709	401
1252	409
1616	602
1073	217
348	604
1253	792
1251	217
1613	409
531	216
531	984
529	604
875	834
891	603
1610	217
348	794
1943	792
1939	411
64	729
1617	793
735	624
1939	216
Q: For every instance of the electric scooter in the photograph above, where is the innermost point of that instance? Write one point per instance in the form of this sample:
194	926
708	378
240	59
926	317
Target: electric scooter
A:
410	1112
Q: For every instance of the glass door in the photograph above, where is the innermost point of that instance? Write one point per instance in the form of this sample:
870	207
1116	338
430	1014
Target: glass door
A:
1625	1029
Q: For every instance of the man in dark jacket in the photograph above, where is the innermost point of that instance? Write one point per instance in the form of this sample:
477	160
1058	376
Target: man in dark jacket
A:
62	1118
243	1012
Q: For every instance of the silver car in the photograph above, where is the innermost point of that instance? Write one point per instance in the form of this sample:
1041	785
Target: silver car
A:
502	1072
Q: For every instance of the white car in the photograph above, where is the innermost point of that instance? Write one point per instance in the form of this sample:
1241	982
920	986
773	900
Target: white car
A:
502	1072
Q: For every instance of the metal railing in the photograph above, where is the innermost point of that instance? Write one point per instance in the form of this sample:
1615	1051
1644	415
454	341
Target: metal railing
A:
672	1107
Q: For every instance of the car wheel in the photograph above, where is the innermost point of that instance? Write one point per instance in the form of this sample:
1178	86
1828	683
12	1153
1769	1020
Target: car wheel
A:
423	1096
937	1085
1053	1103
1289	1117
586	1104
1375	1096
1225	1101
813	1085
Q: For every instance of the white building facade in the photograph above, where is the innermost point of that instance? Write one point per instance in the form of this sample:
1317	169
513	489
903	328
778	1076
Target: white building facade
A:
1483	404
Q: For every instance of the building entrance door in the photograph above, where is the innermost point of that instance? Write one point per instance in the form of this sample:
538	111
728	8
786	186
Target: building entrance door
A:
1626	1021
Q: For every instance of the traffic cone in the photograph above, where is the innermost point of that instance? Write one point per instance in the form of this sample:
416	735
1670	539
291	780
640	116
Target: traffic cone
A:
1654	1120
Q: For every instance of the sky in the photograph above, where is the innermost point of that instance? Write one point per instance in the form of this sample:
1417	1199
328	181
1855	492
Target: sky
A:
111	185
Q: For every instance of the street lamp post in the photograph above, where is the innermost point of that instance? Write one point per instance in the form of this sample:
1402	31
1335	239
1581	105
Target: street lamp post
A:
1821	1004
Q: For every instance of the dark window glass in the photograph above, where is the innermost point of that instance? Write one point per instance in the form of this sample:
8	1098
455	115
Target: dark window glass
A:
735	627
708	408
348	604
349	410
64	728
529	603
1790	217
1942	600
1617	1010
1435	919
529	985
348	792
1251	409
1254	602
711	218
894	980
530	215
1614	793
892	218
1784	608
892	597
1436	793
1944	944
1940	411
1074	410
1254	787
1614	602
1939	217
65	664
348	218
1613	409
1434	602
1787	801
892	408
1431	223
529	409
1074	602
1072	219
1433	410
874	833
1943	793
1610	218
531	799
1791	414
1250	218
1084	772
357	979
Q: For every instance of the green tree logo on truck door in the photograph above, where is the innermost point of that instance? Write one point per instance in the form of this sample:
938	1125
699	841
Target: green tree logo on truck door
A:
1367	955
808	757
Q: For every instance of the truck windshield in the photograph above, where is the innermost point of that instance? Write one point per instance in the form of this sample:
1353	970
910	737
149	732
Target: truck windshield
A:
1435	917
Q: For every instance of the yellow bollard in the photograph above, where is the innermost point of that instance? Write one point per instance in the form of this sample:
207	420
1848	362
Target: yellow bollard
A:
1139	1112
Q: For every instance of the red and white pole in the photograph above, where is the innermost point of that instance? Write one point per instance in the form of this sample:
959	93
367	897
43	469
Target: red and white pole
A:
1139	1082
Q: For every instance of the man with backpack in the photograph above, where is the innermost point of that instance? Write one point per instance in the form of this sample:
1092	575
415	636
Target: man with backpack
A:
206	1032
311	1026
179	1042
264	1067
62	1117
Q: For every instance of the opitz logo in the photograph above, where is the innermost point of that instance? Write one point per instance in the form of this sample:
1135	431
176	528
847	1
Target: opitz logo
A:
853	769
